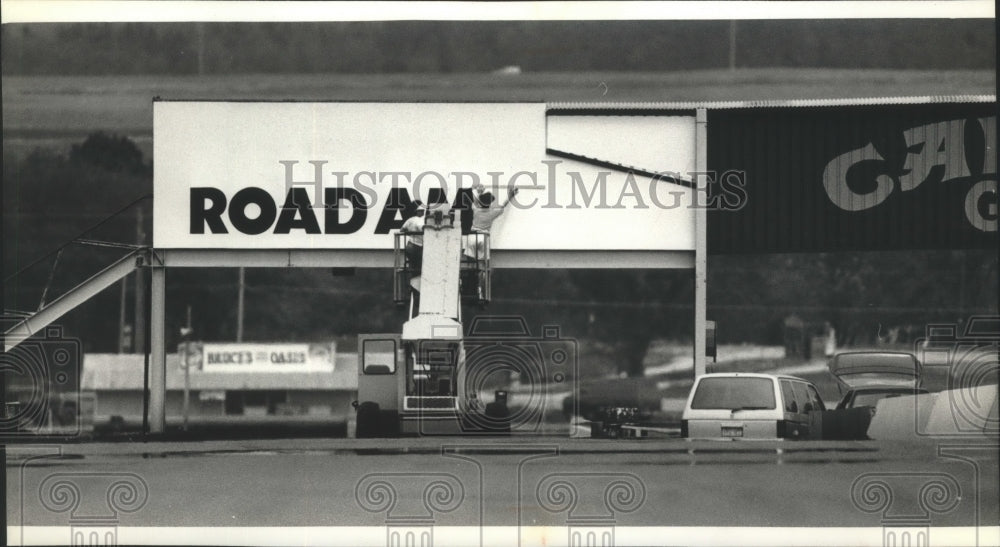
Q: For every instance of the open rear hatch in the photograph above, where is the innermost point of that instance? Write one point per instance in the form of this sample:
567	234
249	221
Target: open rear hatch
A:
870	368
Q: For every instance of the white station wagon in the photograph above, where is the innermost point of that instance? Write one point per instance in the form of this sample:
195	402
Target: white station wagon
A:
737	405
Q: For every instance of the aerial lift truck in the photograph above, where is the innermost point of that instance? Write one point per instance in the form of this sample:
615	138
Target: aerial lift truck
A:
415	382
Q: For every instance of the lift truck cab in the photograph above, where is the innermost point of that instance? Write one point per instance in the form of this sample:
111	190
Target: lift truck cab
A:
414	382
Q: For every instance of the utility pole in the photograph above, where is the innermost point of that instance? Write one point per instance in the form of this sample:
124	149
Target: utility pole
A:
121	315
139	329
145	348
186	337
239	306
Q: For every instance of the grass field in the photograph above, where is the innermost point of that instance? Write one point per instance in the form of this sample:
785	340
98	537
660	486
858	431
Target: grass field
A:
55	111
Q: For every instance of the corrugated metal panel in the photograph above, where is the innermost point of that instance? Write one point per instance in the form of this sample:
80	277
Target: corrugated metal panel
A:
868	177
680	107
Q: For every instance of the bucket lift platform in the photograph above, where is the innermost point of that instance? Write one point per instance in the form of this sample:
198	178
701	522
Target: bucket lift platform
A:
475	271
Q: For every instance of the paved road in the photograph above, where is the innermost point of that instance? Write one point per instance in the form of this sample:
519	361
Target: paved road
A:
526	482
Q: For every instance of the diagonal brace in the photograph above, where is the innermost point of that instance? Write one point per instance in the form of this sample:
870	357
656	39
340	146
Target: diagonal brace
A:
73	298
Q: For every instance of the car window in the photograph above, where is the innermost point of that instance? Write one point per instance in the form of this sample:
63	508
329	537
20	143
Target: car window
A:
734	392
867	398
845	401
801	397
788	396
379	356
814	397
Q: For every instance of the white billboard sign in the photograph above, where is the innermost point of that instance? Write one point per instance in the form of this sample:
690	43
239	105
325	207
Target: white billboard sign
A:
294	175
258	357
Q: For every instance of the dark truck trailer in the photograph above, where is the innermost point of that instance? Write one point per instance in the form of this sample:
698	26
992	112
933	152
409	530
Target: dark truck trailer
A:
829	176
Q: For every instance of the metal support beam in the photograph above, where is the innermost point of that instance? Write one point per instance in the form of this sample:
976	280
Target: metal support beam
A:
158	351
353	258
700	241
239	304
592	259
76	296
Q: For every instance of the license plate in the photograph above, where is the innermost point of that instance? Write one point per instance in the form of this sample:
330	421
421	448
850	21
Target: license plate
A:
732	431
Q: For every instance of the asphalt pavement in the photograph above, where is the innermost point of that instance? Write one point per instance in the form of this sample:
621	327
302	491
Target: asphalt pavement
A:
527	481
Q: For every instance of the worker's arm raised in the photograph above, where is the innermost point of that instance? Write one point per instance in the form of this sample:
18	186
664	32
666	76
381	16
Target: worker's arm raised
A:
510	194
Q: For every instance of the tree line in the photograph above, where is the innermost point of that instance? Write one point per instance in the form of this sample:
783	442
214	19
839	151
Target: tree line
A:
476	46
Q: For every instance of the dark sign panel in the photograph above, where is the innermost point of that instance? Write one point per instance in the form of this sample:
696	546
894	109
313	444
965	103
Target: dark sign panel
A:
837	178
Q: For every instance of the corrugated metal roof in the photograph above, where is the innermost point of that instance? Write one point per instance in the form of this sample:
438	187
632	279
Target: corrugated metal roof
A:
650	106
112	371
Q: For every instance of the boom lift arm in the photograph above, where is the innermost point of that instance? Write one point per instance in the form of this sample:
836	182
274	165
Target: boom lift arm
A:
429	392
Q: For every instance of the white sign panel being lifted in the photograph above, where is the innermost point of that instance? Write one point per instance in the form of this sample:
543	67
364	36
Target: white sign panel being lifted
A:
294	175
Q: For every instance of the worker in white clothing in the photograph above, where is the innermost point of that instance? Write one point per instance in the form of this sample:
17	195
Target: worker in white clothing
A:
485	210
